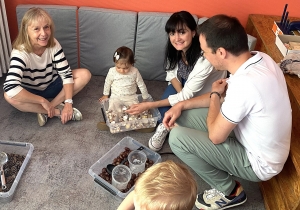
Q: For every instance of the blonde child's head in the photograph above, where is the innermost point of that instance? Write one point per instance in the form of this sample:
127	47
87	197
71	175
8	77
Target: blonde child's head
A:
166	186
32	16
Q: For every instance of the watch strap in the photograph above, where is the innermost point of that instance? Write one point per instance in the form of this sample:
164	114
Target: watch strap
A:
70	101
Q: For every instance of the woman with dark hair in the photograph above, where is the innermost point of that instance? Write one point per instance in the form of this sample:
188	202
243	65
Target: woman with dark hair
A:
189	74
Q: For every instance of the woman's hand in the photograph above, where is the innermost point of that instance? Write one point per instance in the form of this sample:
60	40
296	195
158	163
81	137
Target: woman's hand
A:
49	108
66	113
139	108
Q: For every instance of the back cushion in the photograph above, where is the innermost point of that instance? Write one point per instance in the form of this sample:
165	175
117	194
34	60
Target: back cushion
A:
151	40
101	32
64	18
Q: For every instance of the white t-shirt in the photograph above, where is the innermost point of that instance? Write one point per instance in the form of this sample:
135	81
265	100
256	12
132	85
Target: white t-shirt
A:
257	101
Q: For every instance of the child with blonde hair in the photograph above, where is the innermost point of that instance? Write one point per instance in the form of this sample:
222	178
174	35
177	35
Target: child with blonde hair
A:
163	186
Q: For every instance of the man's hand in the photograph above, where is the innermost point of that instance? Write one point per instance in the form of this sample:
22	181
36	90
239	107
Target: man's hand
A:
171	115
219	86
138	108
66	113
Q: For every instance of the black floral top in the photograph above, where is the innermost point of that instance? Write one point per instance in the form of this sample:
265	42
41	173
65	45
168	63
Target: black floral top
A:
183	70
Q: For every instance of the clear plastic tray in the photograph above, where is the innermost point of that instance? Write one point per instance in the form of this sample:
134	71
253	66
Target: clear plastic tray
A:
18	148
97	167
118	127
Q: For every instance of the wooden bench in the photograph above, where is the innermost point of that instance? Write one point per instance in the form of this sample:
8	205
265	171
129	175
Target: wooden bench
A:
282	192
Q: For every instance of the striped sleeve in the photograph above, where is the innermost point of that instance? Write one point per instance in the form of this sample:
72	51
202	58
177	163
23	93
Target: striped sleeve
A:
61	65
12	84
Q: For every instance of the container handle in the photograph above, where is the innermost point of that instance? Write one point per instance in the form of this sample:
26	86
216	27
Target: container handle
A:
103	114
14	143
105	187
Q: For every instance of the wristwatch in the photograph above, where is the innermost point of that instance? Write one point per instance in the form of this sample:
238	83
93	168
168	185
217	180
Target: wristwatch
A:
70	101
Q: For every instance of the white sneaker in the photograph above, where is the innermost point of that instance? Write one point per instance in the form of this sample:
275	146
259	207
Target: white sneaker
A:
213	199
157	140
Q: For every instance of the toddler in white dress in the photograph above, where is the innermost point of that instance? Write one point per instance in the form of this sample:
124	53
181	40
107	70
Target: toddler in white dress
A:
123	79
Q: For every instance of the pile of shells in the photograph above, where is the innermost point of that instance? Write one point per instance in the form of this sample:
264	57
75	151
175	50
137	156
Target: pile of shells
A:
122	121
11	169
107	177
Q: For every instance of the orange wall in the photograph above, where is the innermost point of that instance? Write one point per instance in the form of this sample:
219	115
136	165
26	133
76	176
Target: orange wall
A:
207	8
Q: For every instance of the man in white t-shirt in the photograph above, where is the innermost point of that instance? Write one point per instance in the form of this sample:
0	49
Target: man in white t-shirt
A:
246	130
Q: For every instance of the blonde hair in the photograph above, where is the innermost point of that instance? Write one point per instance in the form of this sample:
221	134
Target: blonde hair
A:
34	14
166	186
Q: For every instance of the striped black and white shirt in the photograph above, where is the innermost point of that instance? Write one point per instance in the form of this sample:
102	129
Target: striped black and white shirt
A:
36	72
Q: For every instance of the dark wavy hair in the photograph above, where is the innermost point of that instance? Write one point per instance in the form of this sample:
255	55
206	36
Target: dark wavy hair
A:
176	22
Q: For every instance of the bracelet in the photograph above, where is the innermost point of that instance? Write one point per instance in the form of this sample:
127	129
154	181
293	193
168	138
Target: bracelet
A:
70	101
215	93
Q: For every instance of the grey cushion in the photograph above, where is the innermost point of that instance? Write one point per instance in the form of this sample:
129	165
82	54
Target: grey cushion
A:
251	42
101	32
251	39
201	20
64	18
151	40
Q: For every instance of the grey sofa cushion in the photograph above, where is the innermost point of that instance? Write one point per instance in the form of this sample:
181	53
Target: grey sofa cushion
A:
64	18
151	40
101	32
251	42
201	20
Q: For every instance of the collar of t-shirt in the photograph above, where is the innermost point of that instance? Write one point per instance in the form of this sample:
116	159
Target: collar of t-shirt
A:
255	58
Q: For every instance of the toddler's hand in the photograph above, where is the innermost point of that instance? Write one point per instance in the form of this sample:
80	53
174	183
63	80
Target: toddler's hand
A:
103	98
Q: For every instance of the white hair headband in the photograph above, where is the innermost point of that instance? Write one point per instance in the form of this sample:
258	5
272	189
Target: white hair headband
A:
116	56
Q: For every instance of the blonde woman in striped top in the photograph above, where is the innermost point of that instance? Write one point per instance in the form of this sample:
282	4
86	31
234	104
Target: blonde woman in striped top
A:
39	78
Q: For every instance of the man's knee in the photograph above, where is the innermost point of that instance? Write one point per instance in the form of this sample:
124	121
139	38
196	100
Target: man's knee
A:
174	136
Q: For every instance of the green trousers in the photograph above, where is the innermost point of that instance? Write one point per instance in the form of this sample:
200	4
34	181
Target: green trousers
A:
215	164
